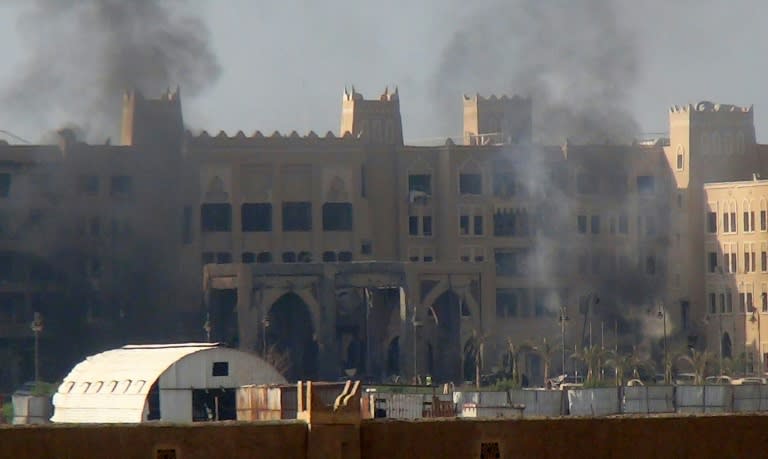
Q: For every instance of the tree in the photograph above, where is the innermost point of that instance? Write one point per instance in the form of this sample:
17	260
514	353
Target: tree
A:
546	351
591	356
475	348
514	352
626	364
699	362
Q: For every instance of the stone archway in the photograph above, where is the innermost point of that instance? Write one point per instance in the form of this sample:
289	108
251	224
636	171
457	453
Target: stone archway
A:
290	331
447	335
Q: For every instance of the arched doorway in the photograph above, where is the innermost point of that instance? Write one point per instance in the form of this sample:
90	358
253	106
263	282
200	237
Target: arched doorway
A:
726	346
290	333
393	357
447	350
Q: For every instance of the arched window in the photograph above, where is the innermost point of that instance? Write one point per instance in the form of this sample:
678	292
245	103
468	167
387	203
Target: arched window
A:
680	158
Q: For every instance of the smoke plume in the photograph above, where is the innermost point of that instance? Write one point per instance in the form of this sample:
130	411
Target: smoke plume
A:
82	55
575	59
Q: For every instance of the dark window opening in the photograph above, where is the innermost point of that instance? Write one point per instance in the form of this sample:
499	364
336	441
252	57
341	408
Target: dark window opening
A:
504	223
329	257
464	225
223	258
470	184
337	216
297	216
506	304
426	225
166	453
88	184
215	217
413	225
120	185
264	257
679	162
366	248
248	257
345	257
478	225
208	258
646	184
420	182
213	405
763	221
220	369
304	257
5	185
428	259
256	217
712	222
595	224
153	402
289	257
650	265
581	222
509	263
712	261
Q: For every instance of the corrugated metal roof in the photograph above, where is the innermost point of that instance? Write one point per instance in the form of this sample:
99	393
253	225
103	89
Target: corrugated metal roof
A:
112	386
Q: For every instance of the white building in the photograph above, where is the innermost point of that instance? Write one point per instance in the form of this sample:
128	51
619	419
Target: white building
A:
170	382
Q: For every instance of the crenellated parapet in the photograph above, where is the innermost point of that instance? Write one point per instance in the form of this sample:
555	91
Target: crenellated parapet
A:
257	138
706	106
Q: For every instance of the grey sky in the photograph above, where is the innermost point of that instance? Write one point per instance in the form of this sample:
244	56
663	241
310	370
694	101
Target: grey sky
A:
285	64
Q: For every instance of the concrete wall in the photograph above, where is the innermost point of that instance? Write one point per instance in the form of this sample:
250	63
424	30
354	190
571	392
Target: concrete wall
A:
191	441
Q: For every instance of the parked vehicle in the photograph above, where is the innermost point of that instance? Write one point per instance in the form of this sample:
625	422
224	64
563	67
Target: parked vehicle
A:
750	380
682	379
721	380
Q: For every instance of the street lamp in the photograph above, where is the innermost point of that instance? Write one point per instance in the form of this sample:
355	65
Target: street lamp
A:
37	328
663	316
563	319
265	325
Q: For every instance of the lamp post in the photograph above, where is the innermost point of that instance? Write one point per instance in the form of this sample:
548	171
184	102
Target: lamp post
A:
416	324
563	319
663	316
37	328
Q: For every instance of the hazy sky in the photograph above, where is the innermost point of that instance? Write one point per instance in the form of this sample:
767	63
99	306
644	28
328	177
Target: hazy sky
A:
285	64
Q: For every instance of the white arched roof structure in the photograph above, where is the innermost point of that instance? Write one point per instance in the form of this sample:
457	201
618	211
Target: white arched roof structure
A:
112	387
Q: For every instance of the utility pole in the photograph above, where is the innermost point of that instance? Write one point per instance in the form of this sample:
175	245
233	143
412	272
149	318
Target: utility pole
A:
663	317
37	328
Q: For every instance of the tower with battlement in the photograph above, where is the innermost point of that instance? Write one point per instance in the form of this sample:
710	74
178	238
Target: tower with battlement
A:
373	120
152	121
497	120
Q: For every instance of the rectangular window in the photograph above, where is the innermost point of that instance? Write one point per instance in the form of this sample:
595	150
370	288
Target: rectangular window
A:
582	224
464	225
646	184
712	261
478	225
746	221
470	184
763	220
504	223
742	302
120	185
595	224
5	185
420	183
728	301
726	223
426	225
88	184
297	216
413	225
764	301
733	222
679	162
711	222
337	216
722	303
763	261
220	369
503	185
623	224
506	303
216	217
734	265
712	303
256	217
746	262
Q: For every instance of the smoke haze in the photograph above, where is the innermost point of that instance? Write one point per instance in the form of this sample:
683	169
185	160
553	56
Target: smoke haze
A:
81	55
574	58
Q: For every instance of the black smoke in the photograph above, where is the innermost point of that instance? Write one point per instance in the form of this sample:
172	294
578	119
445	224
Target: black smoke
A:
576	59
83	54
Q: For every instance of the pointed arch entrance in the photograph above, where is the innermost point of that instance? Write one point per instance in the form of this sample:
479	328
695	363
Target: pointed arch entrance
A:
291	332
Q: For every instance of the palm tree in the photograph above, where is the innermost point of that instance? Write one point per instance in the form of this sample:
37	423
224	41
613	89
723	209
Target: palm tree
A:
591	356
514	352
475	348
546	351
625	364
699	361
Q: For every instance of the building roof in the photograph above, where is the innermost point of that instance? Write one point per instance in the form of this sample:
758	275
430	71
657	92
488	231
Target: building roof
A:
113	386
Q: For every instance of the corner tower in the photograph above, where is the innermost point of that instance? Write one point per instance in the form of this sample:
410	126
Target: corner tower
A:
375	121
152	121
497	120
